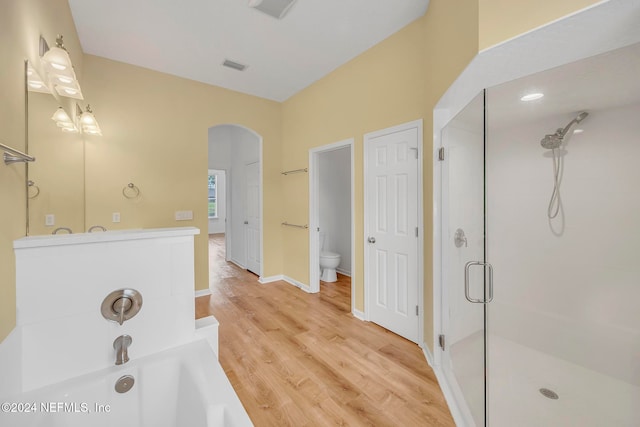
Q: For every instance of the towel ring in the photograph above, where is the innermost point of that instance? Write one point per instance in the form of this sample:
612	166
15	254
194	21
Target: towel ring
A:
31	184
131	191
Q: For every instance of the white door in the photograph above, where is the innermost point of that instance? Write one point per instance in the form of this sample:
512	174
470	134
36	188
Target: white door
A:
391	227
252	221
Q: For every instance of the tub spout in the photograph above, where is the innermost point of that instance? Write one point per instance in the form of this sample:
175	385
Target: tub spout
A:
121	345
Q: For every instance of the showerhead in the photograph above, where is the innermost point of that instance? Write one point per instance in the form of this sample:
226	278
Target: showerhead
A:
551	141
581	117
555	140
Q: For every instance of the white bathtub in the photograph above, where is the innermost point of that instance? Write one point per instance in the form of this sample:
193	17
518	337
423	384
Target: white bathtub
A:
182	387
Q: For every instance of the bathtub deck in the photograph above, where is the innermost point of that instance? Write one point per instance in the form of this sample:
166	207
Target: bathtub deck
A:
302	359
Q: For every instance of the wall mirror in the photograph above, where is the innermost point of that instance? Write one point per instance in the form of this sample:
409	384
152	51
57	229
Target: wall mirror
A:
56	190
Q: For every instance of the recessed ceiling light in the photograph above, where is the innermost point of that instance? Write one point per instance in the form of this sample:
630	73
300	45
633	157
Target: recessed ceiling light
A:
532	96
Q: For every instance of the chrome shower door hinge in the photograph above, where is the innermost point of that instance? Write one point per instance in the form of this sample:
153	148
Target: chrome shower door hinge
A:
441	153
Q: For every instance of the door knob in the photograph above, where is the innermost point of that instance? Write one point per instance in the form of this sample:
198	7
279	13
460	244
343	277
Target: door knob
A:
371	240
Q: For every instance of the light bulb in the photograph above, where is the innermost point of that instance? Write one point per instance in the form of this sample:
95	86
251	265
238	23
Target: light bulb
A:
531	97
61	116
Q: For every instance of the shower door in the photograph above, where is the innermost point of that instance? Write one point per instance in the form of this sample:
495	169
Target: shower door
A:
466	278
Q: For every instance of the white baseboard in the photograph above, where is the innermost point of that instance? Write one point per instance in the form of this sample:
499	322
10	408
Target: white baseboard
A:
270	279
427	354
344	272
239	264
203	292
297	284
444	385
358	314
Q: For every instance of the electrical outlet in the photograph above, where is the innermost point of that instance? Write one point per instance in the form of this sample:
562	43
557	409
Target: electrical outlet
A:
115	217
184	215
49	220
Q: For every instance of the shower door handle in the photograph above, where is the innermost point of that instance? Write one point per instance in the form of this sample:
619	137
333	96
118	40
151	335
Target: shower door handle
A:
489	282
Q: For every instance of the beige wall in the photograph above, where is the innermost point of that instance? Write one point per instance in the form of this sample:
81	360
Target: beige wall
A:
155	130
164	151
396	81
502	20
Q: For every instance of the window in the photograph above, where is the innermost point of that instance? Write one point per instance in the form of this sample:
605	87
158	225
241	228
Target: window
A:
213	195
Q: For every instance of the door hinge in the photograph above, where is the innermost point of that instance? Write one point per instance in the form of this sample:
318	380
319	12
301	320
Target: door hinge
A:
441	341
416	231
416	310
441	153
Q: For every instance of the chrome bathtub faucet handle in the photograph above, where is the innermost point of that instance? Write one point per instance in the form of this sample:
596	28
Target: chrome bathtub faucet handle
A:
121	346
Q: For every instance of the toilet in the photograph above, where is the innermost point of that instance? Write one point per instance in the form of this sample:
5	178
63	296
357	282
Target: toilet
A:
329	261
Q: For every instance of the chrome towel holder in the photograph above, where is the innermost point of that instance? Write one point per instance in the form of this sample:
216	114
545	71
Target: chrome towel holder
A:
11	155
31	184
294	171
286	224
131	191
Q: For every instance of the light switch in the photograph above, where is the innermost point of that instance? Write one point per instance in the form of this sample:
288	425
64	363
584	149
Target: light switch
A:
184	215
49	219
115	217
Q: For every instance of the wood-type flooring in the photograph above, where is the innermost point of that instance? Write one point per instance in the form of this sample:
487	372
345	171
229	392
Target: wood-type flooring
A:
299	359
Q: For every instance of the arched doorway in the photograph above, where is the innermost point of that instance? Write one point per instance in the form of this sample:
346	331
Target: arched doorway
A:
235	193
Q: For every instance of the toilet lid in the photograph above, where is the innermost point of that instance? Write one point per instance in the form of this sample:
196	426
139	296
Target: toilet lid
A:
329	254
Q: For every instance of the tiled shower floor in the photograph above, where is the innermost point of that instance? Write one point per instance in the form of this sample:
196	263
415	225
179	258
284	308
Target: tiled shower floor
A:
517	373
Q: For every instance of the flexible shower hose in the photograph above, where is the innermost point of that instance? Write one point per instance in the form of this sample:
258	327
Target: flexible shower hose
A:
554	203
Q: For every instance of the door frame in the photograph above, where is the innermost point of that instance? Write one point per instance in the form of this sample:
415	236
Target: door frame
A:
416	124
246	244
314	215
229	178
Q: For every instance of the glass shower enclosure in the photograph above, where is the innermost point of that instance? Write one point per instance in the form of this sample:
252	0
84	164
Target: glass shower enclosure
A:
540	322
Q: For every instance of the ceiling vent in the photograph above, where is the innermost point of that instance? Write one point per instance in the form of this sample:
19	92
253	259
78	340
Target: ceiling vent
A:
275	8
235	65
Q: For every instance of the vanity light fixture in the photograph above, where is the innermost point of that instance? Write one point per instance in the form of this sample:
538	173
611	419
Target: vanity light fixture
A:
89	123
532	96
61	116
63	121
60	69
35	83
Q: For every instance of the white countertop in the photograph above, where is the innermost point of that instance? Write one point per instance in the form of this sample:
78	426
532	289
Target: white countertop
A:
102	236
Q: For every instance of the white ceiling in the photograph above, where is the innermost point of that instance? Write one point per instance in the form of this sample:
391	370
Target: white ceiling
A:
604	81
192	38
597	83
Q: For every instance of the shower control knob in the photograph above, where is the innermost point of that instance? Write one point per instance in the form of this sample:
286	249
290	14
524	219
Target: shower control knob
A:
460	239
371	240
